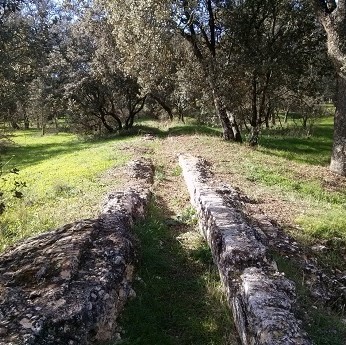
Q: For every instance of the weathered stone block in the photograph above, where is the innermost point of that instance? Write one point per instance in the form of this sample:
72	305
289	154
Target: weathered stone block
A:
261	298
68	286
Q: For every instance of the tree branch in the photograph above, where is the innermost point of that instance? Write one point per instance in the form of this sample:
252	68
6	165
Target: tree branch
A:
193	43
211	28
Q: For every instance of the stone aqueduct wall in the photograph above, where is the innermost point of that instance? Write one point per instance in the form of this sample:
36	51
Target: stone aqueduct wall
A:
68	286
261	298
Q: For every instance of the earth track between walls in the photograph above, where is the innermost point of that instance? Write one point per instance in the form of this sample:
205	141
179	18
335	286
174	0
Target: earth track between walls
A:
179	294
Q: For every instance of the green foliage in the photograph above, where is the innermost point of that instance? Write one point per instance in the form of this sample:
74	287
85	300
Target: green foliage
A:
160	173
10	187
178	293
279	178
188	216
327	223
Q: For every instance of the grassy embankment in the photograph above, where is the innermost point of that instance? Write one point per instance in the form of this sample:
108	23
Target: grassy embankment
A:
286	176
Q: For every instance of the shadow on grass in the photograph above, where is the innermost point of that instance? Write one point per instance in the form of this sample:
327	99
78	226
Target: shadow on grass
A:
173	305
24	155
188	129
314	150
194	129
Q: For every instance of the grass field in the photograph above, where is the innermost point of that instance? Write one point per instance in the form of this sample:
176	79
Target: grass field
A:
63	179
286	177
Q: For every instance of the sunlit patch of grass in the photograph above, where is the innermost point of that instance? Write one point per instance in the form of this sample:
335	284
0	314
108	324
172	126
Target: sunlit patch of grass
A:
325	225
279	176
63	183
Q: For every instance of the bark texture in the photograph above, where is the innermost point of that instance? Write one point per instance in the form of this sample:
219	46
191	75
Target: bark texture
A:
261	298
332	15
68	286
338	159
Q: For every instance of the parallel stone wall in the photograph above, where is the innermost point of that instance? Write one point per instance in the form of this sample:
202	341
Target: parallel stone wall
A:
68	286
262	299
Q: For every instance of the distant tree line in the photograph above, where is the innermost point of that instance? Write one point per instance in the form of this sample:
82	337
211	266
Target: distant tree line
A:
234	63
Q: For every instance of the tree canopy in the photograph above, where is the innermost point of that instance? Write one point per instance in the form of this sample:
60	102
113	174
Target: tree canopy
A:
236	64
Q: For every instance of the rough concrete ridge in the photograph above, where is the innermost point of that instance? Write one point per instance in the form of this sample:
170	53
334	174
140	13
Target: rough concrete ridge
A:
261	298
68	286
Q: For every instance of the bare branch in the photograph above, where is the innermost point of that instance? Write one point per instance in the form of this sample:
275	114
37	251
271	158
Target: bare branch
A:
211	27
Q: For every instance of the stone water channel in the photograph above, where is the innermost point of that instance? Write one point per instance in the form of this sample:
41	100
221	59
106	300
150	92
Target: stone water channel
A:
69	286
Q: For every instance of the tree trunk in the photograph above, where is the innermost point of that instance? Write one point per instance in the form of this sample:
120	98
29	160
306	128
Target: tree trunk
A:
254	135
332	15
305	121
14	125
222	115
286	115
56	124
338	159
117	120
273	116
129	121
134	109
109	128
164	105
26	122
235	127
229	125
254	132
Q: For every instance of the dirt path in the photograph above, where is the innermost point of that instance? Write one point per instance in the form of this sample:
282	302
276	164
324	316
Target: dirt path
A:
193	301
179	296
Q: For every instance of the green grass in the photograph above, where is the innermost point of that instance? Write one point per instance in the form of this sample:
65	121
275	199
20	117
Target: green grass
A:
178	294
179	300
280	177
279	166
63	181
293	145
322	324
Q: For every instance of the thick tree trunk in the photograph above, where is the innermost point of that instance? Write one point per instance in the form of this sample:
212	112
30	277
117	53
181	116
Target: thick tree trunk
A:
338	160
229	125
332	15
222	115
